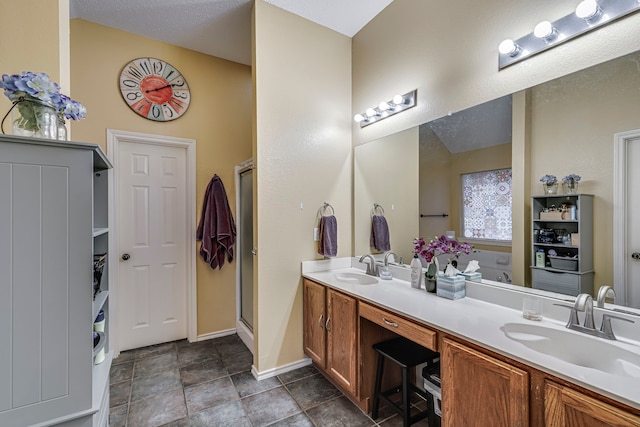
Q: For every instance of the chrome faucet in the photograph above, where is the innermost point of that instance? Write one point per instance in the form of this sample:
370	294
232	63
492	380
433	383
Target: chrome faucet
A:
387	255
372	268
604	292
584	302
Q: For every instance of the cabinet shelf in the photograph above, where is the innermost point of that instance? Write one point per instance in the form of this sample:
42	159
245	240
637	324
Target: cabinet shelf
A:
100	380
554	279
100	231
558	270
555	245
98	302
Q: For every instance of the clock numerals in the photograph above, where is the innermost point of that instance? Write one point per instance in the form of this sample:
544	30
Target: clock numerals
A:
154	89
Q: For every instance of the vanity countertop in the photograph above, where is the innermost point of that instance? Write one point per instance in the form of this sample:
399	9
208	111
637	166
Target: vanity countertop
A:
480	322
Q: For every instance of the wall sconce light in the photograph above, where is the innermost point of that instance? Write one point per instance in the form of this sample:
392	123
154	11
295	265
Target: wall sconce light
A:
386	109
589	15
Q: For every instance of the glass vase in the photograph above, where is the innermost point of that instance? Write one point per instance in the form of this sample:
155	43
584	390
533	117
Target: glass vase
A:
550	188
34	118
570	187
62	129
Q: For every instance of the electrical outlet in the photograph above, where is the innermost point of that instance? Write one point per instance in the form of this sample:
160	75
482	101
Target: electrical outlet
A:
316	234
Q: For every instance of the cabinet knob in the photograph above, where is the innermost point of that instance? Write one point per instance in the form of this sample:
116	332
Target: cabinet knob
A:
635	255
125	257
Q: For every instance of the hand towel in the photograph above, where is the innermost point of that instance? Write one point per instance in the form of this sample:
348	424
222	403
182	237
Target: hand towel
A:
379	239
328	244
216	229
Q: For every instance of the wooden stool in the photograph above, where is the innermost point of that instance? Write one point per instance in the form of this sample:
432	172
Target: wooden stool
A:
407	355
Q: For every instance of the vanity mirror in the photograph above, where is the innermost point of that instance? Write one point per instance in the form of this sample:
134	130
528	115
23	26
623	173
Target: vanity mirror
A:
565	126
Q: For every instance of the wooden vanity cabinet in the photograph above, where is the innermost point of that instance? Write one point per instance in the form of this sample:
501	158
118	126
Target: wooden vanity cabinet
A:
566	407
330	333
479	390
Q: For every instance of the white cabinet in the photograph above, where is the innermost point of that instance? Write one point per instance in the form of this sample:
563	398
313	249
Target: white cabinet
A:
562	224
47	374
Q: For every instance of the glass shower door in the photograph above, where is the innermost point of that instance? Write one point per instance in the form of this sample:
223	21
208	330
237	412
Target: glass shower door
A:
246	247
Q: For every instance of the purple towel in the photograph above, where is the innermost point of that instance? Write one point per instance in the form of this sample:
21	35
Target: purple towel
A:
216	229
379	239
328	244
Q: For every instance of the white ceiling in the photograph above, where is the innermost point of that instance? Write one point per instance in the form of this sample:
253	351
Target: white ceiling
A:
220	28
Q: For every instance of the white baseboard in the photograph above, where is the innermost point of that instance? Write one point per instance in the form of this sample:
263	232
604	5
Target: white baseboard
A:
269	373
218	334
245	335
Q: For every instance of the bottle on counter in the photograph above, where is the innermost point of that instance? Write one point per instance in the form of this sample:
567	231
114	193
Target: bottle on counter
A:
416	272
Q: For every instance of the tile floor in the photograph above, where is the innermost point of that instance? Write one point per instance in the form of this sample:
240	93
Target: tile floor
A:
209	384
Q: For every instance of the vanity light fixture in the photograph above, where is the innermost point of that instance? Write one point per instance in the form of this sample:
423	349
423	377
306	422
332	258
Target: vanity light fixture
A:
589	15
387	108
509	47
545	30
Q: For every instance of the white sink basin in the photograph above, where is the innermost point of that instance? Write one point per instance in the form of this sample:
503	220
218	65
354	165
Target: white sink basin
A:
576	348
356	278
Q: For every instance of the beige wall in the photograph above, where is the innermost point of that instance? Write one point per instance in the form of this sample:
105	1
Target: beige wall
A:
219	119
303	155
385	172
448	51
34	37
567	137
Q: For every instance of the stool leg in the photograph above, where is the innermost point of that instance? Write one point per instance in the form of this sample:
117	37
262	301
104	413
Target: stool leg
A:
406	406
376	389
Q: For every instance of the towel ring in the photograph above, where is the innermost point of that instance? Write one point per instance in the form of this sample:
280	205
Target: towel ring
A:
376	207
324	207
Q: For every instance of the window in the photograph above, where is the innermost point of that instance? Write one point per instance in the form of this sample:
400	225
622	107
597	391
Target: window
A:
486	205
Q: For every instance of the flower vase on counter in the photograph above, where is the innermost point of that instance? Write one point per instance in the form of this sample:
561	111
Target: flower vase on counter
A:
430	275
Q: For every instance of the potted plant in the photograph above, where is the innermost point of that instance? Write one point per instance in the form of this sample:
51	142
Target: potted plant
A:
570	183
437	246
549	184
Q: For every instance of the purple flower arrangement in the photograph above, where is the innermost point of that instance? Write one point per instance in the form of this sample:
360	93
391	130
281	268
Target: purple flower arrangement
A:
440	245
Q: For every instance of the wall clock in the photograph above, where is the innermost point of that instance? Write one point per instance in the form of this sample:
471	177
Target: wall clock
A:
154	89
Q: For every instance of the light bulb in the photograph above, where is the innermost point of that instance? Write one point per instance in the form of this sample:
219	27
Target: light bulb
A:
383	106
371	112
358	118
508	47
398	99
544	30
587	9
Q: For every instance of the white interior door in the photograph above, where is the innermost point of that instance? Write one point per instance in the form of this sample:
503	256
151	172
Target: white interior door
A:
626	211
152	240
633	224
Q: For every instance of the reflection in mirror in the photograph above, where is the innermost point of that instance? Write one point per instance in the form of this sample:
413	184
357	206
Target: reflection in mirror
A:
385	172
570	127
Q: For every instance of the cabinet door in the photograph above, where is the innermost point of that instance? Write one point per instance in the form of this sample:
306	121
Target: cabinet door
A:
565	407
314	322
341	337
478	390
45	282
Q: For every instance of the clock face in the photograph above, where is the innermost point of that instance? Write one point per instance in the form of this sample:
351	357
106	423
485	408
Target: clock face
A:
154	89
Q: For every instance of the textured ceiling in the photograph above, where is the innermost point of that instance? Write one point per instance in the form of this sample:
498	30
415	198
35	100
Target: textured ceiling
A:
481	126
220	28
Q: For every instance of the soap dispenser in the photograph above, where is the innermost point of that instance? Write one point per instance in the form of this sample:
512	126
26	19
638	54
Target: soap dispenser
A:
416	272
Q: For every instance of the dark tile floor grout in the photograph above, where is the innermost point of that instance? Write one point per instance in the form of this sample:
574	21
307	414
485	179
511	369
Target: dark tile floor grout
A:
209	384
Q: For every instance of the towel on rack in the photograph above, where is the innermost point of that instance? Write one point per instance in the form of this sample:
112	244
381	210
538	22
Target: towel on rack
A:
379	239
328	244
216	229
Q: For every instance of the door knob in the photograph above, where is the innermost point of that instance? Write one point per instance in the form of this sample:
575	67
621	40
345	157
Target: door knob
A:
125	257
635	255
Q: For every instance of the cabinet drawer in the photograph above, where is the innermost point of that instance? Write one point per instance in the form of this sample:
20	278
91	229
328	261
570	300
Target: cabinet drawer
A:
566	283
406	328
